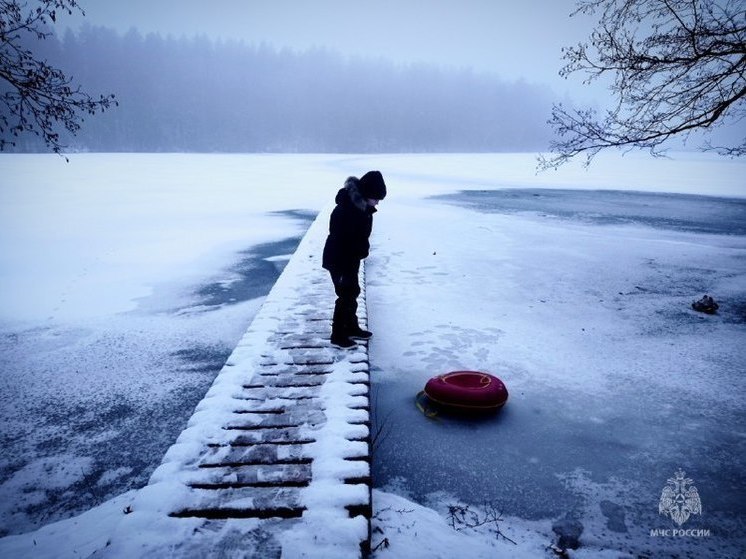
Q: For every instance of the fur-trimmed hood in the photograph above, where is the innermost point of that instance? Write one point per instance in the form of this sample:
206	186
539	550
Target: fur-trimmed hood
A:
350	193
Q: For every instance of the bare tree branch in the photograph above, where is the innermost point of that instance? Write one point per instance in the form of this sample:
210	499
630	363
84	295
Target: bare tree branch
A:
36	97
677	66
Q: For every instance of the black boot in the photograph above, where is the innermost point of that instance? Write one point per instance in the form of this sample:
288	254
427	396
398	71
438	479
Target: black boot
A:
342	342
340	336
359	333
351	324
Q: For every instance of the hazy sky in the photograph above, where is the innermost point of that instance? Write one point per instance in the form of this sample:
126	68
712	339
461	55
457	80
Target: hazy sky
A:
513	38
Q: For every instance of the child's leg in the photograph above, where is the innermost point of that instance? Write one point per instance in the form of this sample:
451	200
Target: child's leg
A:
347	288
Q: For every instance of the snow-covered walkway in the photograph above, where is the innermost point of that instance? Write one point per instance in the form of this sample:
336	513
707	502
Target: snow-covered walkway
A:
275	459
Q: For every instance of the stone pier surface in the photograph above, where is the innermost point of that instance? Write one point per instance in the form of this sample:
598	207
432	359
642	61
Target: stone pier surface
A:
275	461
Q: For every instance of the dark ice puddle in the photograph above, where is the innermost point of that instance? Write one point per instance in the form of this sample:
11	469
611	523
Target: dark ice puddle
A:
516	459
680	212
251	276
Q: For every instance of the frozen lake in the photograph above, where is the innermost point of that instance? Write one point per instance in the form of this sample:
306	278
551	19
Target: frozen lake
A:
128	278
580	302
88	409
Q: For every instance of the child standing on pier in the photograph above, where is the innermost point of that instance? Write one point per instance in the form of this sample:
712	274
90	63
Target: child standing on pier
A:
350	226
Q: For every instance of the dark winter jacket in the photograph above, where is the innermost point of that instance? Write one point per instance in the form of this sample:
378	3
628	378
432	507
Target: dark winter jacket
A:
349	229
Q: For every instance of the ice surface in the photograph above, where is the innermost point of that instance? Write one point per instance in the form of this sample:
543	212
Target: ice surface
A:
614	381
126	283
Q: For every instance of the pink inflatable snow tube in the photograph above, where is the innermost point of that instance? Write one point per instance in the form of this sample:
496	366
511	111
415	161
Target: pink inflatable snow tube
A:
468	390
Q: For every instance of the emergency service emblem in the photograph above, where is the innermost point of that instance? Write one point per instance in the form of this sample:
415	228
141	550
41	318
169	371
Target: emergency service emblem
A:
679	498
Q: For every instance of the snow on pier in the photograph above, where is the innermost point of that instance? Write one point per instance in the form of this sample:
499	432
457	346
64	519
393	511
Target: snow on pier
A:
276	458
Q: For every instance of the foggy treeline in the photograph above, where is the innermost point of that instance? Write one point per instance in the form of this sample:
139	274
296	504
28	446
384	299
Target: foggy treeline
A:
196	94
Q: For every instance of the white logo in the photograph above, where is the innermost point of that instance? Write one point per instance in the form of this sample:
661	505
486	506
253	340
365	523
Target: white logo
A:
679	498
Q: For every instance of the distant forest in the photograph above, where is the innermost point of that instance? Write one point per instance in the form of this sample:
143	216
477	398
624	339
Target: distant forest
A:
200	95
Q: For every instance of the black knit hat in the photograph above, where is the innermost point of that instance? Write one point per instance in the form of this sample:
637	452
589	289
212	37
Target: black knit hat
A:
372	186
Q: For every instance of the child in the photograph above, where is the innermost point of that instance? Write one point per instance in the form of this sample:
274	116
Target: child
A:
347	244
